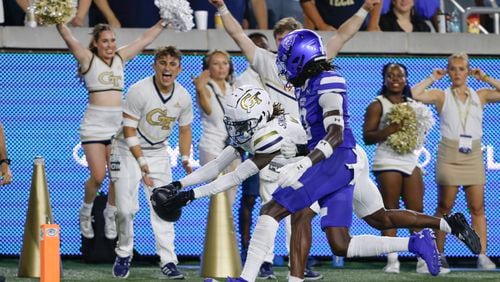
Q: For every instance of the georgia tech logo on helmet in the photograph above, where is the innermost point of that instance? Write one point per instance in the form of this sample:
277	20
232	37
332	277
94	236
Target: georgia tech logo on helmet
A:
249	100
159	117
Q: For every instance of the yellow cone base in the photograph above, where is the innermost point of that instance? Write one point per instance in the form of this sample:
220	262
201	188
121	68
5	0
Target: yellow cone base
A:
39	212
220	253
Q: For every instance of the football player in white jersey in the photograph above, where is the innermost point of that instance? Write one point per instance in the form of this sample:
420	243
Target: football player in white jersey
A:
272	144
256	127
152	108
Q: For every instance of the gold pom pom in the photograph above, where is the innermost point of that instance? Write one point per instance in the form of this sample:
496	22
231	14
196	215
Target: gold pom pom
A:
51	12
405	140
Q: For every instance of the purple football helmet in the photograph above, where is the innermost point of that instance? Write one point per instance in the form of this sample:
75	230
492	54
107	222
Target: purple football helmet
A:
297	49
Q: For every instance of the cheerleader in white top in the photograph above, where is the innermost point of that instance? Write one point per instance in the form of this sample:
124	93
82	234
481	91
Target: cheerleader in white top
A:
101	65
398	174
460	161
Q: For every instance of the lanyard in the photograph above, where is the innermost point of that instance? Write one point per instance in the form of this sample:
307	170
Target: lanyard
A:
463	116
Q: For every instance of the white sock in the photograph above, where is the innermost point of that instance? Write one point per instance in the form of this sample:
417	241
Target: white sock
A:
262	239
86	209
294	279
392	257
444	226
110	210
204	191
369	245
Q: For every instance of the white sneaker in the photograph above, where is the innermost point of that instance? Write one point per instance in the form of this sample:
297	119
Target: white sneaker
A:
110	222
392	263
422	268
86	226
484	262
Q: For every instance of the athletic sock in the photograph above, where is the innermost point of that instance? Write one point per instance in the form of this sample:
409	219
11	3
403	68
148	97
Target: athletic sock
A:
369	245
444	226
294	279
86	209
262	239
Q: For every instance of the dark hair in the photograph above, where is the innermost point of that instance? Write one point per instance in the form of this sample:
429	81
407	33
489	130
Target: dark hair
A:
311	69
256	35
277	110
164	51
96	32
385	69
208	56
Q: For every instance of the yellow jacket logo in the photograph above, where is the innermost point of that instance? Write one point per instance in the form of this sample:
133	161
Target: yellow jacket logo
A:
249	101
108	77
159	117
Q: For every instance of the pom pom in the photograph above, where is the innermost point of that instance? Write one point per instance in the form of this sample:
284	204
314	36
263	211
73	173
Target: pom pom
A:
51	12
176	13
425	121
416	120
405	140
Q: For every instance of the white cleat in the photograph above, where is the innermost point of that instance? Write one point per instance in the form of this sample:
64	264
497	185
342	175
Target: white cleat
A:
485	263
392	266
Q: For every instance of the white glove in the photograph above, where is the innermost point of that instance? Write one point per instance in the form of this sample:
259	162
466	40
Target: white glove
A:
288	148
290	173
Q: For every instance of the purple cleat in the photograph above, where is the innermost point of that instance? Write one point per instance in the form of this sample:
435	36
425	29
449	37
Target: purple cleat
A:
423	245
239	279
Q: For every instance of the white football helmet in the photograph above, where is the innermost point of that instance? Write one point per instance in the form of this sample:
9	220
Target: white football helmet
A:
248	108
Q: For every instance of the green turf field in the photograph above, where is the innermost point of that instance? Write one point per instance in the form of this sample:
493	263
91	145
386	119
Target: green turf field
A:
75	270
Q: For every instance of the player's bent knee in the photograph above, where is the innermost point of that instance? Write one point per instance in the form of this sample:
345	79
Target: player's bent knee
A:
303	216
274	210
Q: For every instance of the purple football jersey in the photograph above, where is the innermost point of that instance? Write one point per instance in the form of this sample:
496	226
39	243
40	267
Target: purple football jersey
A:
311	112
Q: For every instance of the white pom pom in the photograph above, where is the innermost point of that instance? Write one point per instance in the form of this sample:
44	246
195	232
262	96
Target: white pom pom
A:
425	121
176	13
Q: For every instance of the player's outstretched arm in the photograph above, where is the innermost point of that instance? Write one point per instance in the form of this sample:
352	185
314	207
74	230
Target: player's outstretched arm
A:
236	177
235	30
82	54
212	169
349	28
129	51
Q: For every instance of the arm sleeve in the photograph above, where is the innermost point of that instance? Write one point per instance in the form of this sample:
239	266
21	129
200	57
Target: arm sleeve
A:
133	103
212	169
226	181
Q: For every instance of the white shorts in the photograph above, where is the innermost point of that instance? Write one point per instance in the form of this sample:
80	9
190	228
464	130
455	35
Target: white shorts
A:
100	123
366	198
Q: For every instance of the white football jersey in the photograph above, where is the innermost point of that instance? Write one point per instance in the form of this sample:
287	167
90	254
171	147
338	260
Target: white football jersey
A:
157	113
268	139
264	63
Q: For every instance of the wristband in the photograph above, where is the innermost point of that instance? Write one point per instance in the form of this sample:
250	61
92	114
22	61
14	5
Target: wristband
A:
325	148
142	161
185	158
484	76
5	161
223	10
432	78
362	13
132	141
